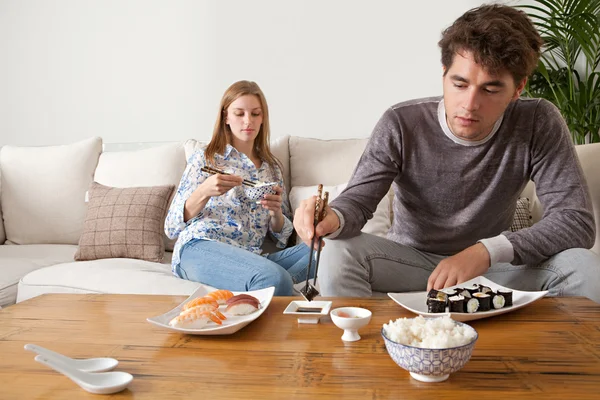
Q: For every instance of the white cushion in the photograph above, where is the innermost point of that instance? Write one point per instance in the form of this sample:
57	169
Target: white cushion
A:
155	166
18	260
43	191
329	162
114	275
589	157
379	225
2	233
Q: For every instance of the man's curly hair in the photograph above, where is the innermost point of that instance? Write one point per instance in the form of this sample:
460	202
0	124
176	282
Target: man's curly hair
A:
501	38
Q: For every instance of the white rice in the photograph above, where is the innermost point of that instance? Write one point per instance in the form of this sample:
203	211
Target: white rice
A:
429	333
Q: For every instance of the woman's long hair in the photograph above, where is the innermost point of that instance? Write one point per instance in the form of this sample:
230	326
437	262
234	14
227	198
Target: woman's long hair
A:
222	133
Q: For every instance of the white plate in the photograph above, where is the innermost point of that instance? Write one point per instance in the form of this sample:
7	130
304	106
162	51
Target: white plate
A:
232	324
417	301
308	317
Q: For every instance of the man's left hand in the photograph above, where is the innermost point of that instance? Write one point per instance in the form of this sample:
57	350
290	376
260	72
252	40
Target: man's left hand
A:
469	263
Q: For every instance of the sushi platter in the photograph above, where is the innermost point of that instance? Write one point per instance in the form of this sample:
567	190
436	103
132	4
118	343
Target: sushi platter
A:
495	300
231	311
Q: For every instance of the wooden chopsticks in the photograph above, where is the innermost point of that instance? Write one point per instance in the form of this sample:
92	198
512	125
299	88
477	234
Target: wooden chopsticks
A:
212	171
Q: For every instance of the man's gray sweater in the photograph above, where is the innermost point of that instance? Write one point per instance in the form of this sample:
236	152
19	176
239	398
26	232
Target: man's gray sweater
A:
449	195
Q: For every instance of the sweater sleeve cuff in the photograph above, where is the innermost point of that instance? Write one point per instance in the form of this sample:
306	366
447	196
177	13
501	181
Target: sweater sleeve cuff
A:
335	234
500	248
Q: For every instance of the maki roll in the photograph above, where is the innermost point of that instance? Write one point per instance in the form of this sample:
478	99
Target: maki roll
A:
473	289
484	301
435	305
437	294
457	304
472	305
485	289
498	301
507	294
464	293
450	292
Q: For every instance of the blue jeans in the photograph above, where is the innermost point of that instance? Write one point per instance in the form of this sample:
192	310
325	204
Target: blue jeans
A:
228	267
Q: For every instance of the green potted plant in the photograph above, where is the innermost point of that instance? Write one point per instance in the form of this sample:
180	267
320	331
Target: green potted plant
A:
568	73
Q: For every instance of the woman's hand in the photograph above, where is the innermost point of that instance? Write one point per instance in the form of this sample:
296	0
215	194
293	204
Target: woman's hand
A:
214	185
273	202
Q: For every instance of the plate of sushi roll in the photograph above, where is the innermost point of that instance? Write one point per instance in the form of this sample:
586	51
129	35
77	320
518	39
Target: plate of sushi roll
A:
467	301
215	312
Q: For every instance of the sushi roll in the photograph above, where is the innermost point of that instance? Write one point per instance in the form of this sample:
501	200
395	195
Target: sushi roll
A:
485	289
435	305
450	292
473	289
472	305
498	301
457	304
465	293
508	300
484	301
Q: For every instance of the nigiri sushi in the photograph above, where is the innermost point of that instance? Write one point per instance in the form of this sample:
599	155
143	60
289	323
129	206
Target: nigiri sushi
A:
220	296
242	304
201	301
195	319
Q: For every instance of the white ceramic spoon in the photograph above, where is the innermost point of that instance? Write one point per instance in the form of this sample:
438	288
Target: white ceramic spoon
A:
86	365
93	382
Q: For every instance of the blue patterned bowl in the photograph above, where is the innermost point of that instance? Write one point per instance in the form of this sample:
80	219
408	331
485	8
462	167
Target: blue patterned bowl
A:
257	193
429	365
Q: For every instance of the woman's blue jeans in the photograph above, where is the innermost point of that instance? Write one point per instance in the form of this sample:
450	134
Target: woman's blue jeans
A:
228	267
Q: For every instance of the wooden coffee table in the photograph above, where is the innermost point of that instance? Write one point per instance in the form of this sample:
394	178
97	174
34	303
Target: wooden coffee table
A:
547	350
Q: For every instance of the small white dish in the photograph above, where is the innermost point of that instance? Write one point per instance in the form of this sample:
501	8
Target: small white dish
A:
87	365
308	317
416	302
232	324
93	382
350	319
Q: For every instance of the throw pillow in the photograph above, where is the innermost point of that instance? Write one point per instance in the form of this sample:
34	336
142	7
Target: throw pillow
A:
379	225
522	218
124	223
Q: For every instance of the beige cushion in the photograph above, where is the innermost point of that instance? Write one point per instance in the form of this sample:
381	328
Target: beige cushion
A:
589	156
155	166
124	223
2	233
117	275
19	260
43	191
330	162
379	225
522	218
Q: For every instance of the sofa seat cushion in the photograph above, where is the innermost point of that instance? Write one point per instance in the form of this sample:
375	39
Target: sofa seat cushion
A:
17	261
112	275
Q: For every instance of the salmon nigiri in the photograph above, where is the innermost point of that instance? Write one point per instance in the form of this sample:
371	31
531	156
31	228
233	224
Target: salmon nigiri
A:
199	301
220	296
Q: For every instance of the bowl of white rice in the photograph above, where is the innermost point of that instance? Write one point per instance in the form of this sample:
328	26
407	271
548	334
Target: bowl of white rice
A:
429	348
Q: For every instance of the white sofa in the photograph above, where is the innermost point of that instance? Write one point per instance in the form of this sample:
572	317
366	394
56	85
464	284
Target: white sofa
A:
42	208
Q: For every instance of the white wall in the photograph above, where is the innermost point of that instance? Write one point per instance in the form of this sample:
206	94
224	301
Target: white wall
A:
151	71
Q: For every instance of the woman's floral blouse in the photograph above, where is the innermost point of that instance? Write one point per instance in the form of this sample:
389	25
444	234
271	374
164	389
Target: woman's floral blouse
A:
227	218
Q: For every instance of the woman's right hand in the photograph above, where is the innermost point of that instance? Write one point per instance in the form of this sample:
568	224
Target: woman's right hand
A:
218	184
214	185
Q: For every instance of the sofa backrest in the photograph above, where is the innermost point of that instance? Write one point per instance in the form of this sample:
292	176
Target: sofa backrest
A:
332	162
43	191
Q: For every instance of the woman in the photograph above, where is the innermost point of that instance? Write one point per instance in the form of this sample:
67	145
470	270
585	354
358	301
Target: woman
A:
220	233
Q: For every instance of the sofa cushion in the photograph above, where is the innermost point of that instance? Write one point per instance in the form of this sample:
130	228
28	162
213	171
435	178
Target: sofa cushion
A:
522	218
18	260
330	162
155	166
279	148
2	233
124	223
118	275
379	225
589	157
43	191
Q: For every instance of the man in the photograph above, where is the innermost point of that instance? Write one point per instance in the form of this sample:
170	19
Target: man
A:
458	165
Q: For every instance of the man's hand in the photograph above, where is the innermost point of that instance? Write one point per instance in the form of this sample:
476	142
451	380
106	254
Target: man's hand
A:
304	221
469	263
